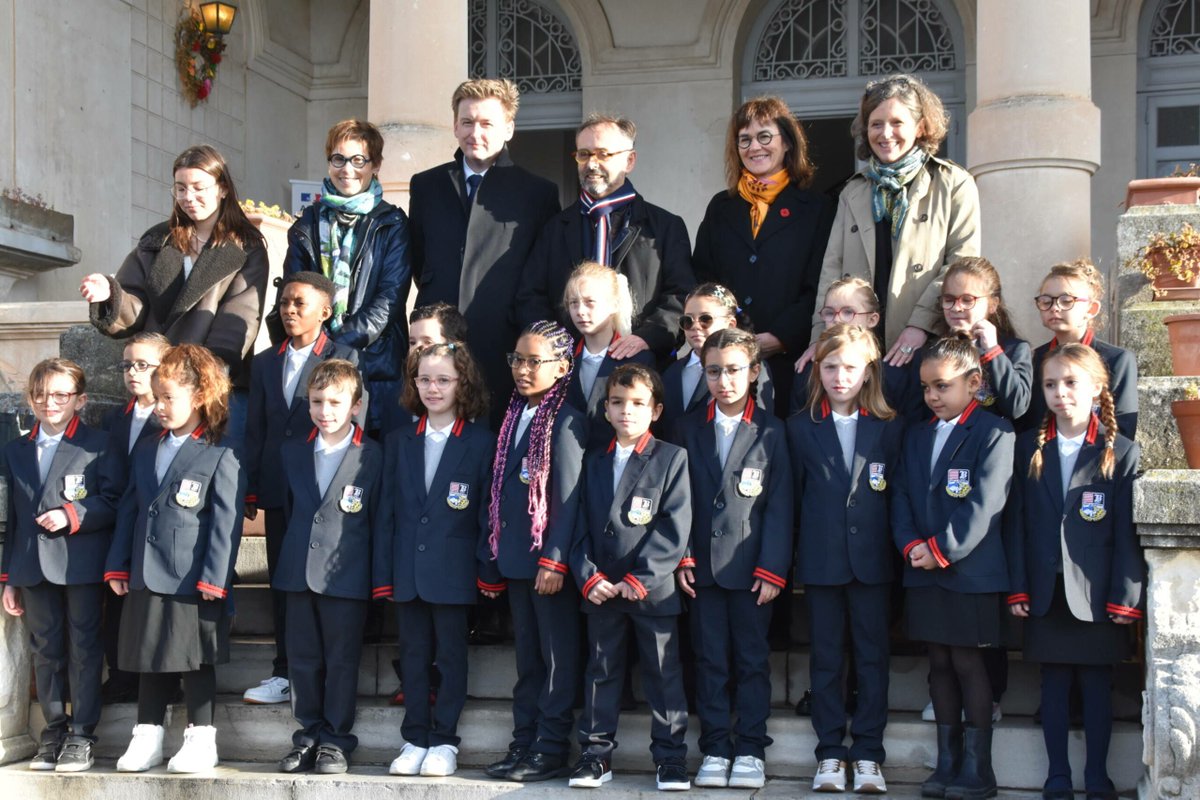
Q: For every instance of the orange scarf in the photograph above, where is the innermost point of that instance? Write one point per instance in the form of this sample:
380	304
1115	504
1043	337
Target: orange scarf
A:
760	195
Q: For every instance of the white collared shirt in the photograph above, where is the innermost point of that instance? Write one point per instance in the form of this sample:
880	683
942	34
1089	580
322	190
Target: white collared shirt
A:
137	422
327	458
468	172
620	460
693	373
293	365
187	267
47	446
168	448
944	428
846	426
523	424
589	368
435	445
725	429
1068	454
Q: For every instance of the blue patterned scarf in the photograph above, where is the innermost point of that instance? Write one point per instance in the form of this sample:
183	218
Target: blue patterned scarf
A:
889	197
338	216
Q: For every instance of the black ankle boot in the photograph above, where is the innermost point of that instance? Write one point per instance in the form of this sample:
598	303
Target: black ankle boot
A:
976	780
949	760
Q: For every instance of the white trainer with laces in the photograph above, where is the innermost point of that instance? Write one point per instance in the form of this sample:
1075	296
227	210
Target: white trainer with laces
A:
868	779
748	772
831	776
713	772
272	690
409	761
441	761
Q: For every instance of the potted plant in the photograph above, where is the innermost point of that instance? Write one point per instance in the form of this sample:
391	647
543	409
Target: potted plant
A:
1181	187
1187	419
1172	261
1183	331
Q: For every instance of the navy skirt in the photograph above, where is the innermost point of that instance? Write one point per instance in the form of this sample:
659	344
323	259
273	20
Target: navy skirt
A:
941	616
165	633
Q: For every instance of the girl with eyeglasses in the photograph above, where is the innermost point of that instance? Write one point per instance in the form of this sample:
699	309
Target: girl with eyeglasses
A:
738	558
358	240
435	522
1070	300
533	515
709	308
598	300
763	236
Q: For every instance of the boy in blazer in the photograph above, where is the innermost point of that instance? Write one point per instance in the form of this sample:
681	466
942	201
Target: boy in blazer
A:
334	500
599	432
278	413
637	517
61	507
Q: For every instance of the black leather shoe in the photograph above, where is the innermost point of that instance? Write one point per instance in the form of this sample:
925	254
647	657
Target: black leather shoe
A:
501	768
672	777
331	760
75	756
804	705
591	771
539	767
300	759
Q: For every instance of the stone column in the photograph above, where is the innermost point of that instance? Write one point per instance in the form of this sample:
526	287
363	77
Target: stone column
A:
15	742
1033	141
1166	507
418	56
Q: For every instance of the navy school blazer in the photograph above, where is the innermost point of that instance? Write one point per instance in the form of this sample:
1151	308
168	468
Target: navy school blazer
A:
173	547
1007	379
118	455
330	539
674	408
901	389
515	559
956	507
842	514
1088	535
430	540
639	533
1122	381
742	514
81	486
599	432
273	420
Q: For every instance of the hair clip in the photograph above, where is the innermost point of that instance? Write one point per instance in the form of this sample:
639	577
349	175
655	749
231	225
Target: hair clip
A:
451	346
737	309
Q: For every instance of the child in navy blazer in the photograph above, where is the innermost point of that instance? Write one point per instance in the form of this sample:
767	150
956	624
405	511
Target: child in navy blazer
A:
1070	301
737	559
845	448
177	533
597	299
533	515
278	414
61	507
708	308
1076	568
334	500
434	522
638	512
126	427
951	489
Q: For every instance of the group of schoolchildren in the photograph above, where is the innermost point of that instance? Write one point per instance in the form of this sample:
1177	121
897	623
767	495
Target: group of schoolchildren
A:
645	494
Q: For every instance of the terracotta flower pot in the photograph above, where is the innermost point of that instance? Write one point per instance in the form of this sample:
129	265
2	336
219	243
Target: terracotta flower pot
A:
1187	419
1162	191
1183	330
1168	287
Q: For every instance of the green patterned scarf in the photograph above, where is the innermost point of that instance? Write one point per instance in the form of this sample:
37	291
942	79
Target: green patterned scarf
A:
889	197
338	216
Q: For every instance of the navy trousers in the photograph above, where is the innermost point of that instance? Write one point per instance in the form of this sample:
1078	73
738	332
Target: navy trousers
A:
68	654
430	633
546	630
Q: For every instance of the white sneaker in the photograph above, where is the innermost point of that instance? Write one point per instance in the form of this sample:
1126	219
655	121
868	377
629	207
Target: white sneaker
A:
714	771
867	778
409	761
144	751
272	690
440	762
199	751
831	776
748	772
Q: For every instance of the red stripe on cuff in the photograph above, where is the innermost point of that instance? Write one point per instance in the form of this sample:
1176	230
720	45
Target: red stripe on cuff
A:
990	354
908	547
1019	597
113	576
941	560
591	583
1123	611
208	587
4	577
637	585
686	561
550	564
490	587
381	591
770	577
251	499
72	517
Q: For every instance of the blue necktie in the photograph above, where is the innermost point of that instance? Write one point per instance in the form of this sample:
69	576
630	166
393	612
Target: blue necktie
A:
473	182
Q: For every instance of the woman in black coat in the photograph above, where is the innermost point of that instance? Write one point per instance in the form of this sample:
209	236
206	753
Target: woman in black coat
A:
360	242
764	236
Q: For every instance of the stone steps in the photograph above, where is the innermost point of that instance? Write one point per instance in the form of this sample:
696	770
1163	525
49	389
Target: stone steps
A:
262	734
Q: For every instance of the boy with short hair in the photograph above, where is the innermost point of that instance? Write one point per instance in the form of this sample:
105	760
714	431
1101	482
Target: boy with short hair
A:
436	323
333	489
278	413
638	517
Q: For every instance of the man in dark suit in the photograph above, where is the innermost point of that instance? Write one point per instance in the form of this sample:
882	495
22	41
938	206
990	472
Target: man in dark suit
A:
613	225
473	221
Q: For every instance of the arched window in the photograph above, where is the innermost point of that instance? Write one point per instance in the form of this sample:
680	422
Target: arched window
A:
529	43
1169	86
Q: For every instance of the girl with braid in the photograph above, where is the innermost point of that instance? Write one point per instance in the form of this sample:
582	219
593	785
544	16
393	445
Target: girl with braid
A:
1076	569
533	516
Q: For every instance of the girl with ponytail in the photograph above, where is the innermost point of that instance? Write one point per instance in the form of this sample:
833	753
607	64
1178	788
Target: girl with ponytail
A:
532	519
598	301
1076	570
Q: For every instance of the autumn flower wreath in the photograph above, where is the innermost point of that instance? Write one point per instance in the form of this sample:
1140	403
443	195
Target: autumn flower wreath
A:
197	54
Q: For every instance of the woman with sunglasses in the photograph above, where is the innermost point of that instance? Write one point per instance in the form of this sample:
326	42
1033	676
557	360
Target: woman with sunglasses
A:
360	242
764	235
903	219
709	308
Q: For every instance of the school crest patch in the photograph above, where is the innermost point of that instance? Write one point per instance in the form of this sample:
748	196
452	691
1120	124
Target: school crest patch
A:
985	396
351	501
958	482
525	470
188	495
640	509
751	482
1092	508
73	488
458	498
875	476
